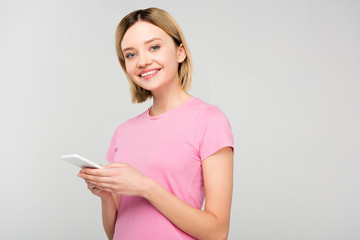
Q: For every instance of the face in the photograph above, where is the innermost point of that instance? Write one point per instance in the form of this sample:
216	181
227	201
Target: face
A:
151	56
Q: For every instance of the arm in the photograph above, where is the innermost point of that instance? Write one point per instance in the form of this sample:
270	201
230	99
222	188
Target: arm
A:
212	223
109	211
109	208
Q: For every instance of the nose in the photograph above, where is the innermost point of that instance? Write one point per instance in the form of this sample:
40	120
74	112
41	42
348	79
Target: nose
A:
143	60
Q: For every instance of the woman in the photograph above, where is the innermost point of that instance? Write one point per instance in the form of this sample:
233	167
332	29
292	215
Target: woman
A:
166	160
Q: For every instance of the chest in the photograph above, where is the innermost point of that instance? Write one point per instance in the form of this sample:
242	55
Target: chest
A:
157	149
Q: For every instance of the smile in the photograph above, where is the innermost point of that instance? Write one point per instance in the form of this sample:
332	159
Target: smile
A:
149	73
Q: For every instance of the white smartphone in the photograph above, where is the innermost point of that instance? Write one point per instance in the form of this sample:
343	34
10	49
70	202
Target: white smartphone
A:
80	161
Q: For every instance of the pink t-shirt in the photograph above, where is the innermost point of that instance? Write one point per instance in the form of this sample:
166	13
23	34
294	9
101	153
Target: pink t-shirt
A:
168	148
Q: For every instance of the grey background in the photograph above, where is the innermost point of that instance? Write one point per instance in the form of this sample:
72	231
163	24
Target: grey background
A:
286	73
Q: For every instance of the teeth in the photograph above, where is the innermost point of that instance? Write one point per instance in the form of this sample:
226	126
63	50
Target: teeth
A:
148	73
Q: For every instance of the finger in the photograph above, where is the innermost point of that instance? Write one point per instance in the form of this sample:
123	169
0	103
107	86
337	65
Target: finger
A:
116	165
96	172
102	185
91	187
95	179
105	189
91	171
96	191
95	188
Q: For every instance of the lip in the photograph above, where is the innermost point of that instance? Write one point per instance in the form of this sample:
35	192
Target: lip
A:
148	70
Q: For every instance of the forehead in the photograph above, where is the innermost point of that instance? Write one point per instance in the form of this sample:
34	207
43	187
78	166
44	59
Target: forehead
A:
140	32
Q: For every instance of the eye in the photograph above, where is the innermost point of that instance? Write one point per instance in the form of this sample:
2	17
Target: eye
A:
154	48
130	55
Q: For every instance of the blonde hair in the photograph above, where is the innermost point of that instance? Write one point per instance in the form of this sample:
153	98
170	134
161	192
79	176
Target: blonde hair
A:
163	20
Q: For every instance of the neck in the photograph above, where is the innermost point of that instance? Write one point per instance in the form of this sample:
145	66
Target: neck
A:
167	100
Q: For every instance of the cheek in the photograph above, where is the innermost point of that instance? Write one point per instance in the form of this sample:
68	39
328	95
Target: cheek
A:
168	60
173	63
132	72
130	68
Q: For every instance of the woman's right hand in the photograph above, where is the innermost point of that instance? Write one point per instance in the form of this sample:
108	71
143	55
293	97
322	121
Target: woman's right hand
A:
109	207
96	191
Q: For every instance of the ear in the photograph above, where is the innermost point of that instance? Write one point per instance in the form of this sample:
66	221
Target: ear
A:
181	54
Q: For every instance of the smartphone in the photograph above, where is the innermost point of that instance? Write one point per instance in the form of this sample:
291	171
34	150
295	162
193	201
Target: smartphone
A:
80	161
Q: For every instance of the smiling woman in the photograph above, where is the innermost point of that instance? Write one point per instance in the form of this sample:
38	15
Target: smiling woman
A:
164	162
151	61
160	20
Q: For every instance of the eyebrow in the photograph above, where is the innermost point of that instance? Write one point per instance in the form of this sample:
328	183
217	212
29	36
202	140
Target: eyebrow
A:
146	42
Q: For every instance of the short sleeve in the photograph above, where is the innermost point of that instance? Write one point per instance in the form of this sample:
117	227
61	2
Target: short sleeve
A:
214	132
112	148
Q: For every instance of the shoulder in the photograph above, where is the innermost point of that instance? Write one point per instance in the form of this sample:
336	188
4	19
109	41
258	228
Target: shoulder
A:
209	112
213	130
132	122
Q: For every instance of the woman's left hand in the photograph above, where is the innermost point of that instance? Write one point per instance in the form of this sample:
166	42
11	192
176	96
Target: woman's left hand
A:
117	178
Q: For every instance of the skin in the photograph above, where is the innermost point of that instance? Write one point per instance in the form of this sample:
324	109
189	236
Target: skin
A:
148	47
